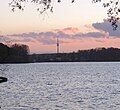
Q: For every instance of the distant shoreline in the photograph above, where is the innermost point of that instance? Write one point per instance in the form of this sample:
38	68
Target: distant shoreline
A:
66	62
18	54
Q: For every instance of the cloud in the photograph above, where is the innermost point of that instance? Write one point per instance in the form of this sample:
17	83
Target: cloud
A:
90	35
106	27
4	39
63	35
46	38
49	38
69	30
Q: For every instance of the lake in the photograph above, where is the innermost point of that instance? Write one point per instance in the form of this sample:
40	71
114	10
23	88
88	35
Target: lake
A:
61	86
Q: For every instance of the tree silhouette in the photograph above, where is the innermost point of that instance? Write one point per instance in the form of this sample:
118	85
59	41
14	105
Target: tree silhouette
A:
43	5
113	11
113	7
19	49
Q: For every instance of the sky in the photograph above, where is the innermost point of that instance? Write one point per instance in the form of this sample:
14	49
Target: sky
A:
78	26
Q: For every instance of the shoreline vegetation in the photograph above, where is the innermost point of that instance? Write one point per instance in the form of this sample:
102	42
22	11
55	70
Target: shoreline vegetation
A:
19	53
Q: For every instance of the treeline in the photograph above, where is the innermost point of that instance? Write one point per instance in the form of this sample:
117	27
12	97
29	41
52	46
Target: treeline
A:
20	54
92	55
16	53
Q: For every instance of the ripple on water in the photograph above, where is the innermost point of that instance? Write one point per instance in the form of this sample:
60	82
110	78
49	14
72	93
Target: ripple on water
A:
62	86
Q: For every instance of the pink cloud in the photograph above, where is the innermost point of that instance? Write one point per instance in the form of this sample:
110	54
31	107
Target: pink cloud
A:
71	39
69	30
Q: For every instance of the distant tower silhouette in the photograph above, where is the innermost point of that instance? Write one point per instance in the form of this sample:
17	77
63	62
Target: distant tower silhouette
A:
57	45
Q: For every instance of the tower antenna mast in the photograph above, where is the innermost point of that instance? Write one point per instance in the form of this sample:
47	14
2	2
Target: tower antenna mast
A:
57	45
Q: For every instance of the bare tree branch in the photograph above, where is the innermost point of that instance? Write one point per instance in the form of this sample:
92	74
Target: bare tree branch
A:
113	11
113	7
43	5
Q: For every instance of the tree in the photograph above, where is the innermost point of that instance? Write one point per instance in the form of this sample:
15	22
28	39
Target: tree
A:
44	5
113	11
20	50
4	52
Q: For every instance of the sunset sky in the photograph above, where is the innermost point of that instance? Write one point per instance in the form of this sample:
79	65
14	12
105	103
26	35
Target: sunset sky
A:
79	26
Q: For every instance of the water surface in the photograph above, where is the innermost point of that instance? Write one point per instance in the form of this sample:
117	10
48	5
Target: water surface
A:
61	86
